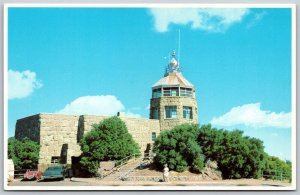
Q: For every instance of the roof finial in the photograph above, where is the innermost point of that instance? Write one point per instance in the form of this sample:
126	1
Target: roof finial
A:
178	46
173	65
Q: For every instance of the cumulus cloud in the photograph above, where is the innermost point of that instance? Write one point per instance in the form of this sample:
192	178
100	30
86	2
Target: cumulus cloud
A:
256	19
208	19
251	115
131	114
22	84
148	107
106	105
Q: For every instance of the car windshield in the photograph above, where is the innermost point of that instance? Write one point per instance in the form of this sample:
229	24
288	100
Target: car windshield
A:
54	168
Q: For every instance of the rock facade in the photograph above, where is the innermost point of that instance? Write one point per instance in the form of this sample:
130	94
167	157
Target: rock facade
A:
178	101
59	135
11	170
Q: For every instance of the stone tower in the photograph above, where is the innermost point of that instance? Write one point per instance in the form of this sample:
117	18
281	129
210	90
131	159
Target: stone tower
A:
173	99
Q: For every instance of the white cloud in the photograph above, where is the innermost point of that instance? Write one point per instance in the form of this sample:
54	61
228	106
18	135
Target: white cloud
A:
274	134
148	107
208	19
251	115
22	84
106	105
256	19
133	115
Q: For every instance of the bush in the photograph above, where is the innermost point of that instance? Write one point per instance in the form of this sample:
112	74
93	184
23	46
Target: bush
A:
238	156
108	140
178	148
277	169
197	166
24	153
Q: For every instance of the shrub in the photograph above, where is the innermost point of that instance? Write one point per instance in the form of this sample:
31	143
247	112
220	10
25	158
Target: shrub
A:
178	148
277	169
108	140
238	156
197	165
24	153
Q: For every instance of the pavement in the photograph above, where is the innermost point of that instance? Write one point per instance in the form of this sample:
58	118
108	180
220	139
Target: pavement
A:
98	182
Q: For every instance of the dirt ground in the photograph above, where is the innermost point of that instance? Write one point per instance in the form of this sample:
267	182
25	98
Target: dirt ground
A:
152	172
97	182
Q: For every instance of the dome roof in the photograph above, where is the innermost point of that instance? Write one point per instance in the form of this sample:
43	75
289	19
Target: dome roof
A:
173	79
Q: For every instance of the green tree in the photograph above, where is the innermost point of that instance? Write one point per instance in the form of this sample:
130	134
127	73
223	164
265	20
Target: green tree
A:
108	140
178	148
238	156
277	169
24	153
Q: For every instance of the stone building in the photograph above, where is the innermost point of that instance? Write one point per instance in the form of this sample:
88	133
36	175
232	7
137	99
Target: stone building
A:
173	99
173	102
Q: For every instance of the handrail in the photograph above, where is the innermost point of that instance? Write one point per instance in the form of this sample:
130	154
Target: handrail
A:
125	160
146	156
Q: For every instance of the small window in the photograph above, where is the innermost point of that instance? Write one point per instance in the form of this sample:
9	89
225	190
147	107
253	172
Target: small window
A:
174	91
187	112
155	113
156	93
55	159
187	92
167	91
170	112
153	136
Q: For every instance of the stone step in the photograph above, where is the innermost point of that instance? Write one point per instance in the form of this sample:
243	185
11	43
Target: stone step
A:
130	166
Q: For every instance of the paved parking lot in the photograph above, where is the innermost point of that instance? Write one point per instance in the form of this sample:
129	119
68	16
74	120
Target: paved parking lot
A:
97	182
65	182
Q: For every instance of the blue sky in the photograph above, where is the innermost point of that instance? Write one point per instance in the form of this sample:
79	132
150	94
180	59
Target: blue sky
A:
101	61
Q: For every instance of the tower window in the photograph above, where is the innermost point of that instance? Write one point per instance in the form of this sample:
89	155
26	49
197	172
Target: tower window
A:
187	112
156	93
153	136
155	113
170	112
185	92
171	91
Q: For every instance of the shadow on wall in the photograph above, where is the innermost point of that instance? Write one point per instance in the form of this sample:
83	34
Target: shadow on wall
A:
80	130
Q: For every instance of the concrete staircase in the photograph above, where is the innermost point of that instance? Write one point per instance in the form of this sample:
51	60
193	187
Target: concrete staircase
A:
124	170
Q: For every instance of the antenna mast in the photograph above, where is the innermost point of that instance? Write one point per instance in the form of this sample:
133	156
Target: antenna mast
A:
179	46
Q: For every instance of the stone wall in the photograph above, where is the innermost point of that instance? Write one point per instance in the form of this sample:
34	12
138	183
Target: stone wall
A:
56	133
140	129
28	127
10	170
179	102
59	135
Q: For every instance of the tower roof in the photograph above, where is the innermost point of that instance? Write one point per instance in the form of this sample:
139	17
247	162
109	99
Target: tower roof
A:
173	75
173	79
173	65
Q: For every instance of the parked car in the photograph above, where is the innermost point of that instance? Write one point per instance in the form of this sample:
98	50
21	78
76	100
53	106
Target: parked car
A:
54	172
32	175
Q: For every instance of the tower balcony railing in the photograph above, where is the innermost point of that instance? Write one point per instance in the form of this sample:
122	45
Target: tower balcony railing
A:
172	91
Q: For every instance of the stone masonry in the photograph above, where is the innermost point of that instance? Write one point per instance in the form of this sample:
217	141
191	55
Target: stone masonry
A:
179	102
59	134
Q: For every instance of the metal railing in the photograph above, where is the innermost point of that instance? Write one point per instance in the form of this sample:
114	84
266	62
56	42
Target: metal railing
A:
21	172
274	174
147	156
119	164
123	161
